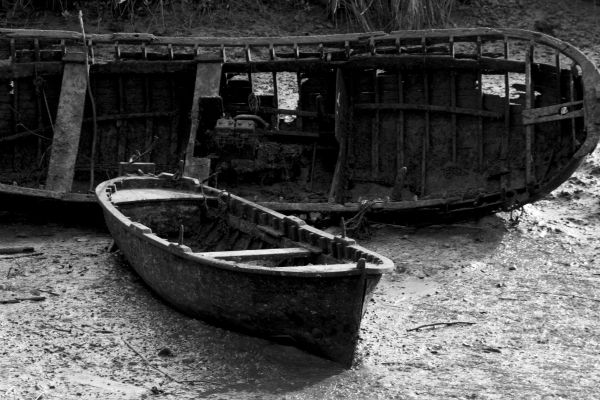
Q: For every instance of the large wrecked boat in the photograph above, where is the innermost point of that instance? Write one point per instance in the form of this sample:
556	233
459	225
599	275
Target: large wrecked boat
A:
229	261
417	123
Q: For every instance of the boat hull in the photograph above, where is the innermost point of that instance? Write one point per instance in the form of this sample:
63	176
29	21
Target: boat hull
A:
426	125
317	311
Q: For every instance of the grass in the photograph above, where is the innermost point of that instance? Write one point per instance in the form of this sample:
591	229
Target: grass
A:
367	15
392	15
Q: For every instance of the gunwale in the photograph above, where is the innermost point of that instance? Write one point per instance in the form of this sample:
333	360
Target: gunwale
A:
376	264
367	45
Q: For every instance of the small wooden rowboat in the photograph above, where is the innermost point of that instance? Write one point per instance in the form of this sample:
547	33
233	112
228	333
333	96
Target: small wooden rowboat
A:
420	123
231	262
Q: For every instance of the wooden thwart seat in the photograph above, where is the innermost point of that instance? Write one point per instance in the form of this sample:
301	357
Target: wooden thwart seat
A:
247	255
153	194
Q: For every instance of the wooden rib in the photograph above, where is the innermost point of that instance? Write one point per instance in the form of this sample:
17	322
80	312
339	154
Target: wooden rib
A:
249	60
40	123
120	124
244	242
530	116
529	130
299	83
36	47
400	145
173	131
342	135
480	135
223	54
505	142
429	107
453	104
425	137
530	121
375	132
90	47
149	120
557	64
572	99
15	91
454	119
275	118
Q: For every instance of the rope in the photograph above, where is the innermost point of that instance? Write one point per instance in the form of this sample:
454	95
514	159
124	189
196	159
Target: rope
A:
358	225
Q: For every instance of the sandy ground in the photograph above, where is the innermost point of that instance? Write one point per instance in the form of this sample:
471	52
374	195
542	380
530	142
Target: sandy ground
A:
521	292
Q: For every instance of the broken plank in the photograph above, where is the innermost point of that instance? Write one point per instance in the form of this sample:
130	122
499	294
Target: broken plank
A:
16	249
67	129
208	82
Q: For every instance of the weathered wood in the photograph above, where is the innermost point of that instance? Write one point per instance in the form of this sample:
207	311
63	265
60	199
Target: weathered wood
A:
275	117
554	112
122	125
376	126
425	148
263	254
403	53
354	207
573	126
15	93
149	121
506	134
549	118
208	83
282	111
398	185
138	115
453	122
480	131
529	129
122	197
252	292
299	120
392	63
16	249
249	60
428	107
67	128
400	142
342	117
135	167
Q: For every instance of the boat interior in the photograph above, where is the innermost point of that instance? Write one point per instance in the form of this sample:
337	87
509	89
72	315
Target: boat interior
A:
439	115
216	226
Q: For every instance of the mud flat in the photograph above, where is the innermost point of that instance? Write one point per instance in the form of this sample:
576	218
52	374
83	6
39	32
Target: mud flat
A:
520	299
511	303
